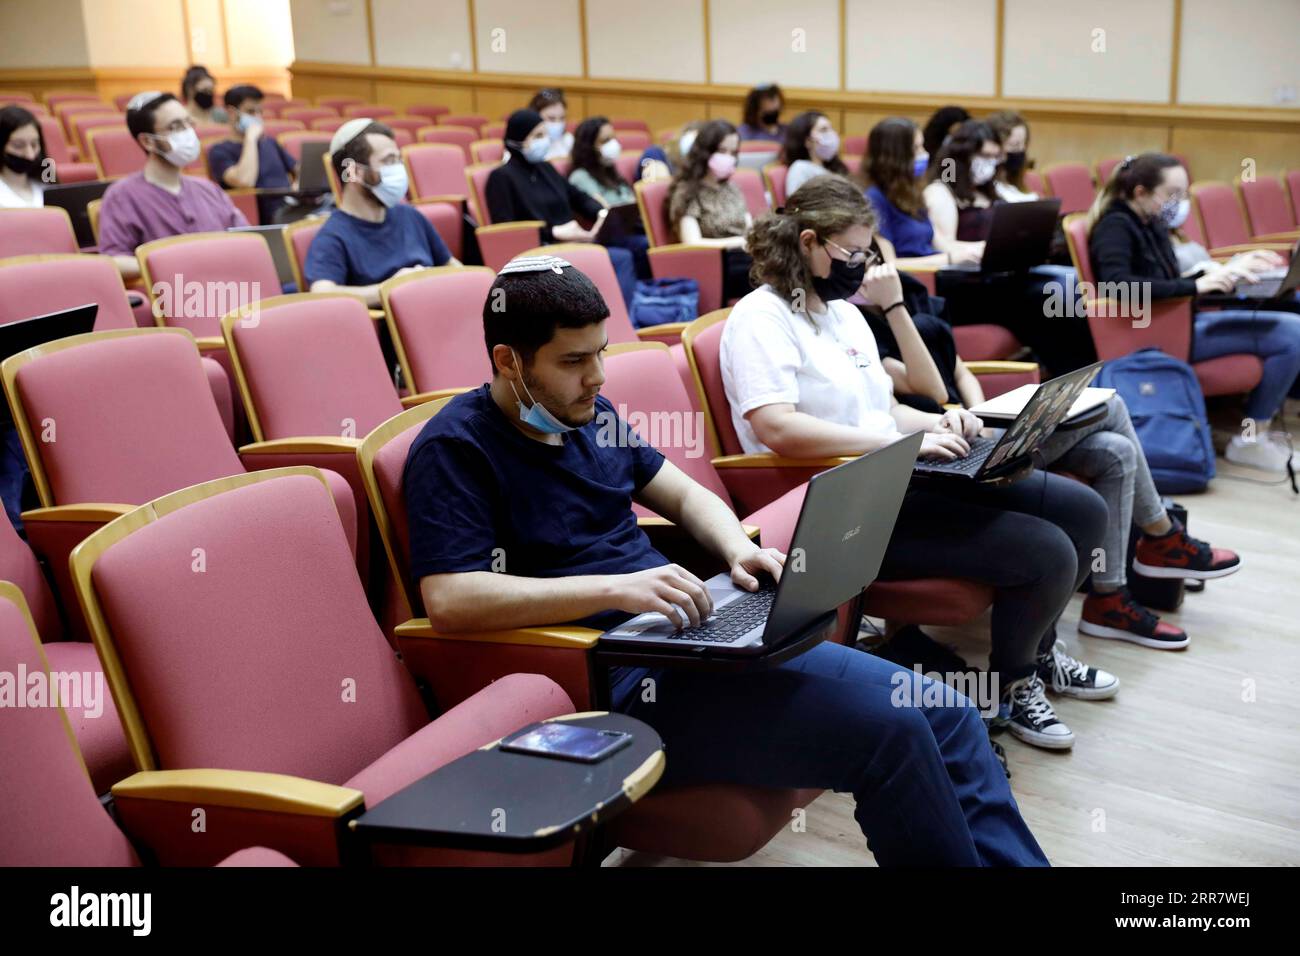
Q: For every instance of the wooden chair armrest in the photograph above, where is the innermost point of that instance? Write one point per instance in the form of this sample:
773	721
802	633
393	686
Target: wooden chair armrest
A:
577	638
410	401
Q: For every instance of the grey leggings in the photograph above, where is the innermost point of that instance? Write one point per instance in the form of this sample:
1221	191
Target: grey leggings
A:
1109	455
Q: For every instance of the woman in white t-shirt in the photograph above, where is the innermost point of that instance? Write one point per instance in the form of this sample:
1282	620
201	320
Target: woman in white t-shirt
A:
22	160
804	380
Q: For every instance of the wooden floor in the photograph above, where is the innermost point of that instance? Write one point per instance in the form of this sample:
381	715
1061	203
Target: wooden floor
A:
1196	762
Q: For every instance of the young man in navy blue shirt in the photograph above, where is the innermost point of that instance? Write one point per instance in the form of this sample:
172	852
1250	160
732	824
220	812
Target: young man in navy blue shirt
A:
520	515
373	235
250	158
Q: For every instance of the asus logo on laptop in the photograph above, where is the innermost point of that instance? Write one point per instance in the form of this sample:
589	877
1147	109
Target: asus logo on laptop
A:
851	532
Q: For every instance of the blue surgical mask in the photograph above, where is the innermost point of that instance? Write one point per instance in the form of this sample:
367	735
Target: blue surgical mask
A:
246	120
392	184
535	150
536	414
555	130
920	164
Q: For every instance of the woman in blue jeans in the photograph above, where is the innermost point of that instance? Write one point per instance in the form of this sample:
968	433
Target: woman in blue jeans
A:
1129	242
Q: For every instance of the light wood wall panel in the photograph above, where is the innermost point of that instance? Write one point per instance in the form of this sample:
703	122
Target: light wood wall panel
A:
259	32
330	31
514	37
958	58
661	41
418	33
207	32
757	41
51	33
1052	49
1241	56
126	32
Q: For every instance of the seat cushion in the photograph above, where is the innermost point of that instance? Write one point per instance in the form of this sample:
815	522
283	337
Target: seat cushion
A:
100	737
1228	374
257	856
720	823
776	520
986	342
948	602
500	708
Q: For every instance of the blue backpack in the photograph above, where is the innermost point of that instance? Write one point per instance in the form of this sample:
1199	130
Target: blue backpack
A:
664	300
1168	410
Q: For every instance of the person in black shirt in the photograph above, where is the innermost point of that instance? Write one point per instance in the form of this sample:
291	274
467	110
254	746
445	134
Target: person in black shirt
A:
1129	244
527	186
250	159
519	509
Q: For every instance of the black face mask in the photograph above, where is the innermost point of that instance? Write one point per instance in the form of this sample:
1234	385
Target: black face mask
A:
770	118
203	99
1014	162
23	166
844	280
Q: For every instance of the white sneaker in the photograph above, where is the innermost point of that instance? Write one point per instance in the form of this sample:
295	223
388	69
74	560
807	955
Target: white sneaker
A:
1031	717
1263	453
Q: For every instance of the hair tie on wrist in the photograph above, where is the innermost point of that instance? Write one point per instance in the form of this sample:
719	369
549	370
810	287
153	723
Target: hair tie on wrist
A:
895	306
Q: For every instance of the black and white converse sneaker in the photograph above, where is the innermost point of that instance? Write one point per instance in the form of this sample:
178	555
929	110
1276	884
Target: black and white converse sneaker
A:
1073	678
1031	717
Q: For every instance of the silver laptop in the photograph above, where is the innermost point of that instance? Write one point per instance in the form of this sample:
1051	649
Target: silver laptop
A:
1274	283
838	545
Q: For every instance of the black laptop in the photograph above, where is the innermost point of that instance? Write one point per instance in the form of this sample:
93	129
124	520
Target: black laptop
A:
993	458
26	334
1020	237
838	545
75	198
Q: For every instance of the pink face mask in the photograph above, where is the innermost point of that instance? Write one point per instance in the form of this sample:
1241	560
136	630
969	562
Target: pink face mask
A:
722	165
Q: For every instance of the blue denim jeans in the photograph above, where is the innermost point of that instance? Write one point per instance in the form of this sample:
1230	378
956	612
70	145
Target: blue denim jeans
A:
1273	336
13	472
929	790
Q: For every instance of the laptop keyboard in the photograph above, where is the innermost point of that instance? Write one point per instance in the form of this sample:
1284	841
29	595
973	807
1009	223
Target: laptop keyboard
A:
733	621
979	450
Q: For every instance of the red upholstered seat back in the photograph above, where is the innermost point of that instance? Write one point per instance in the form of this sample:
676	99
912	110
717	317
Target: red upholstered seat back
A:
30	232
133	418
314	367
1221	216
51	814
593	260
437	169
200	278
439	318
1266	205
645	389
654	210
1072	184
42	284
270	658
115	151
707	346
1076	236
389	465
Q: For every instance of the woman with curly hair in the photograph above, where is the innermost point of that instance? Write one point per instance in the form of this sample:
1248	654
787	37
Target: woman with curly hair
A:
705	208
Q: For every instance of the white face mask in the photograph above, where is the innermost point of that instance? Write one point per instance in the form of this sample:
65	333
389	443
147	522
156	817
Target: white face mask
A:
182	147
391	188
610	150
982	169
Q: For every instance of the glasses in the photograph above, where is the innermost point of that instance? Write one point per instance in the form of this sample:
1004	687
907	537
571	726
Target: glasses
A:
868	258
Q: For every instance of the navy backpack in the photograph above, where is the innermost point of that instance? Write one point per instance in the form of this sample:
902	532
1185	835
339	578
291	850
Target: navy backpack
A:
1168	410
664	300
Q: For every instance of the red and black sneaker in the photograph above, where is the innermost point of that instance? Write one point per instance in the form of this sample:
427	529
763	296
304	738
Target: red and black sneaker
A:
1179	555
1116	615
